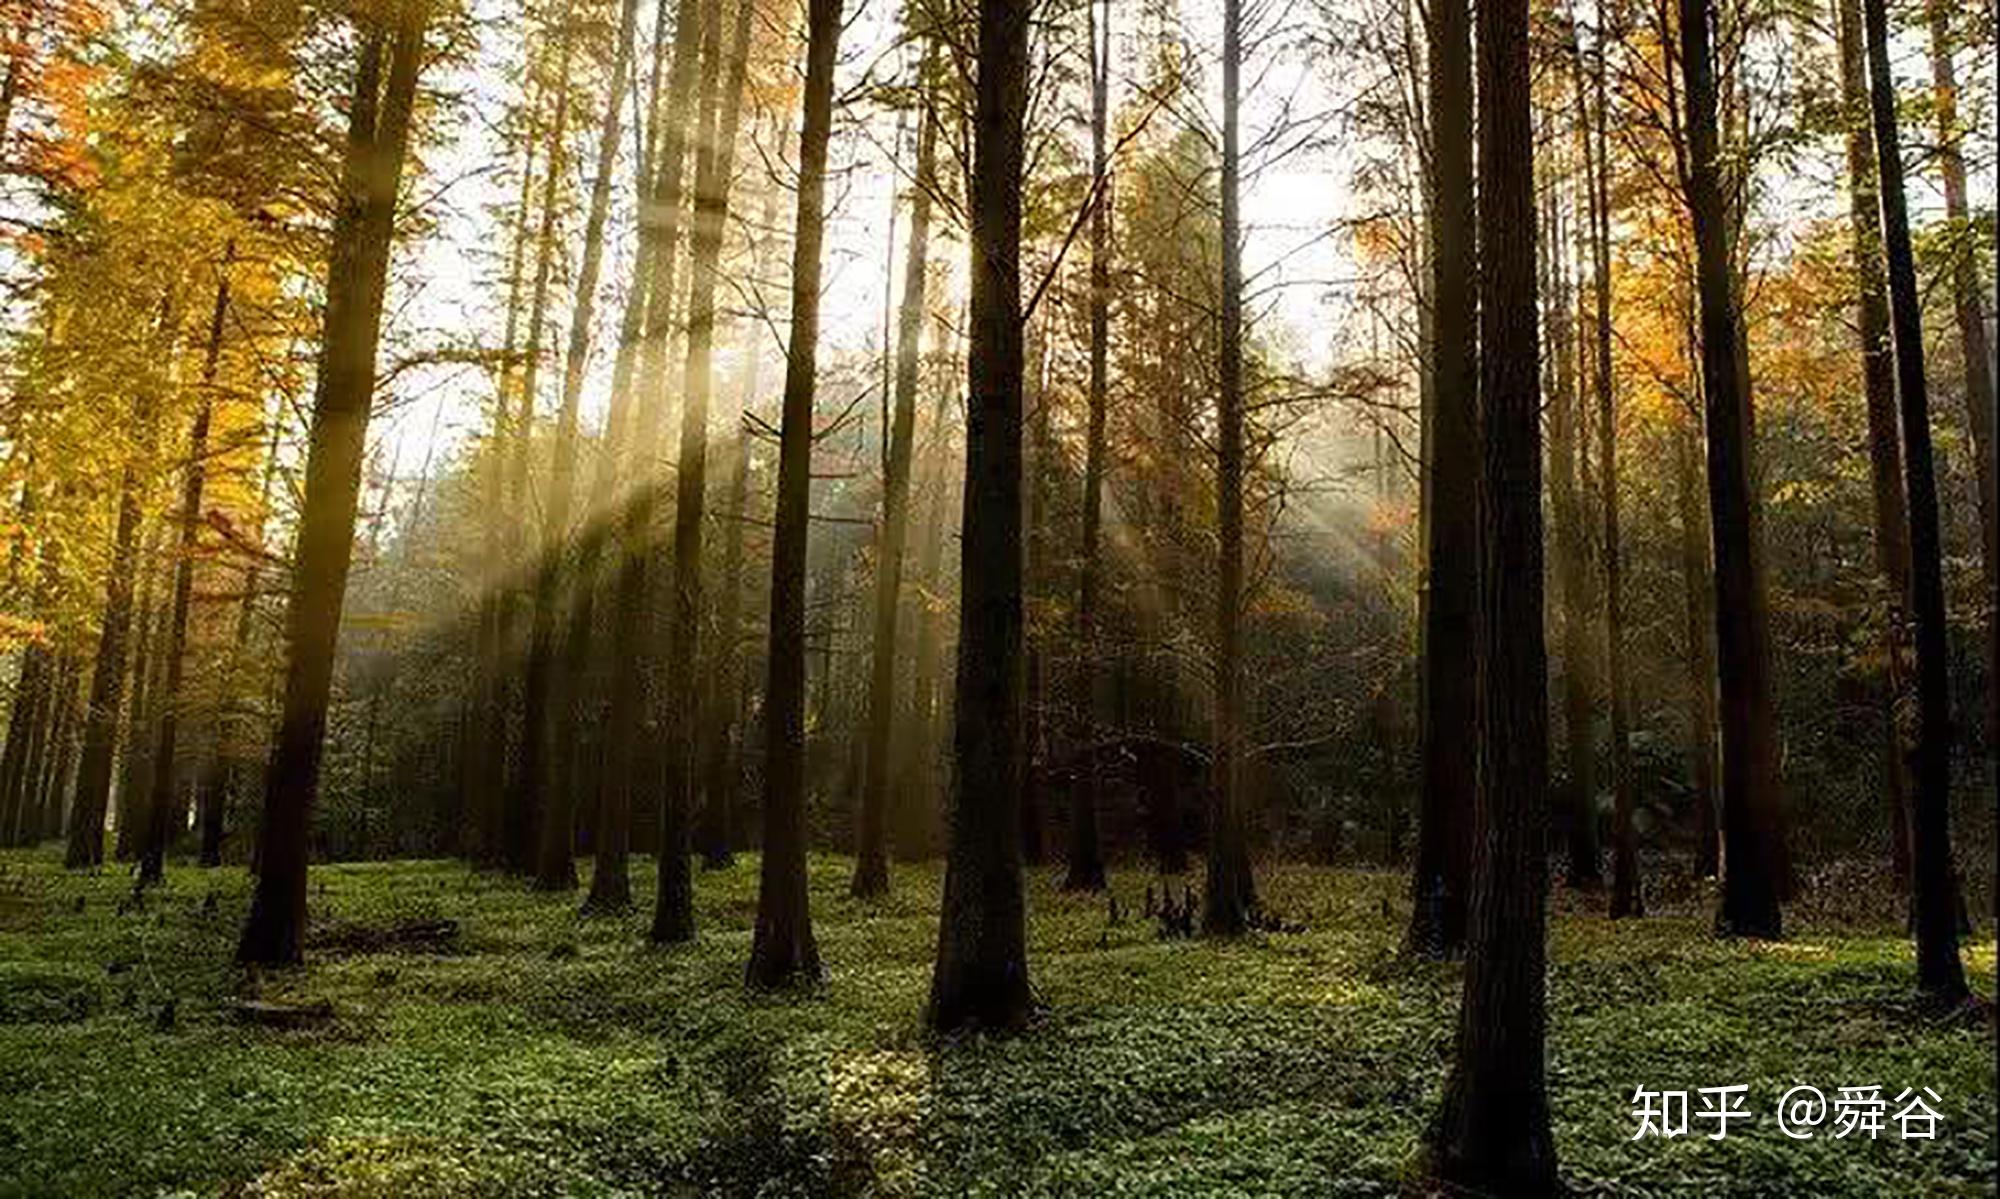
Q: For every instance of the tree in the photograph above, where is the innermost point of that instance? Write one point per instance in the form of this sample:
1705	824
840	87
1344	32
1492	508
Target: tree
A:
783	951
871	866
1438	885
1492	1132
1230	905
1752	826
1939	971
378	135
981	975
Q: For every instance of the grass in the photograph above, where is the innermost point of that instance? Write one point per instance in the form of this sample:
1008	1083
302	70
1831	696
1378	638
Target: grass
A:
539	1053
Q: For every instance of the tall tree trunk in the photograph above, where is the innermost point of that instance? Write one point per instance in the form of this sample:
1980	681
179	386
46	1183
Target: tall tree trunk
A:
916	807
357	273
1693	552
1935	889
721	106
160	804
525	791
981	975
61	744
1492	1134
784	951
1444	841
29	712
1752	822
1969	306
1230	905
871	867
1885	450
1626	897
547	718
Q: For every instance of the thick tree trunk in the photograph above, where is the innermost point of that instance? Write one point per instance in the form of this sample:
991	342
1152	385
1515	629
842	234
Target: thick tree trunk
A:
981	974
555	864
357	272
871	867
1230	906
1935	887
1444	841
1885	449
1492	1133
721	106
1752	823
160	804
783	951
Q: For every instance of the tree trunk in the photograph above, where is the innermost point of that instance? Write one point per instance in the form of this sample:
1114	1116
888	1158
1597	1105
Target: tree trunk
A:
1752	824
871	868
1885	450
1230	906
61	745
1969	306
1444	842
548	723
673	916
784	951
160	804
1700	652
1935	889
981	974
1492	1133
357	272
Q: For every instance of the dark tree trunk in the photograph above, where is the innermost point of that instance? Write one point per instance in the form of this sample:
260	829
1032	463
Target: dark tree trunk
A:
1752	823
1934	883
364	226
160	804
1086	855
784	951
1885	449
871	867
1230	905
61	745
1444	841
1492	1133
107	685
981	975
721	105
555	860
24	723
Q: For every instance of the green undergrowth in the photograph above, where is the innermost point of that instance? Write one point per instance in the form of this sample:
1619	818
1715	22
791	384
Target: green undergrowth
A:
508	1046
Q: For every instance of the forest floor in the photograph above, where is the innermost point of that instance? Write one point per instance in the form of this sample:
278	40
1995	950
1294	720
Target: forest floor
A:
524	1050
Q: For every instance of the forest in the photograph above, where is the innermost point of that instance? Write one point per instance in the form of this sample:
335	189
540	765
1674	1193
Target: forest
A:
904	597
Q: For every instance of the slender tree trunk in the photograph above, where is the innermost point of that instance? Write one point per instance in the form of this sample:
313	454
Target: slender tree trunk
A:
61	748
721	106
357	272
1752	824
1700	652
160	804
784	951
1492	1134
525	792
915	820
1935	889
1885	450
1230	906
871	868
1969	306
546	719
1444	842
981	974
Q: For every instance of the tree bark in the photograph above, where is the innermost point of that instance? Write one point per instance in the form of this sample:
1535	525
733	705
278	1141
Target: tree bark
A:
1444	842
357	273
783	951
871	867
160	805
981	975
1492	1133
1752	823
1939	972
